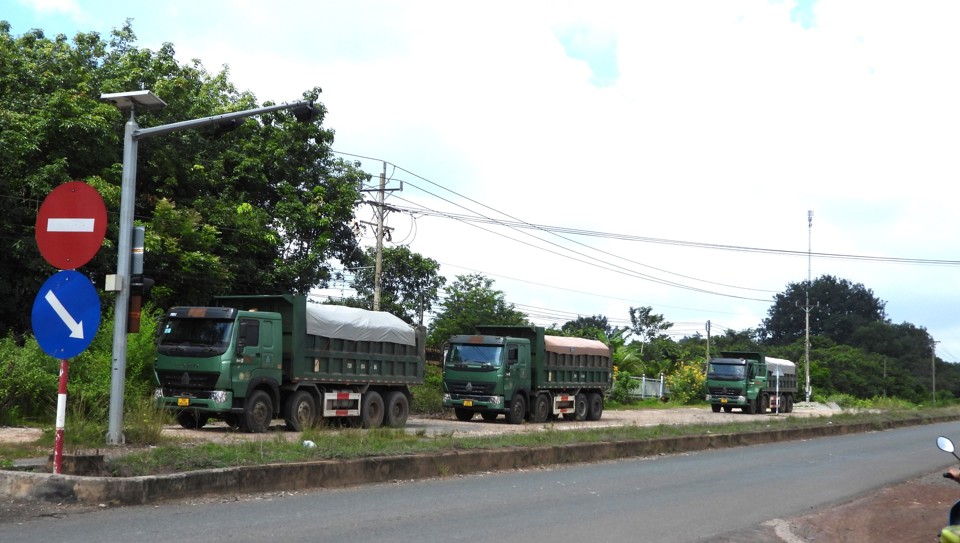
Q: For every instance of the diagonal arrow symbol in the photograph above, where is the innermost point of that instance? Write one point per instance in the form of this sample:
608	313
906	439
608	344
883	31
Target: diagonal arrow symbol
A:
76	328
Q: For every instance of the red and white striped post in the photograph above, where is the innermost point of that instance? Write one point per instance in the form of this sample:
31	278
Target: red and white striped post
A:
61	417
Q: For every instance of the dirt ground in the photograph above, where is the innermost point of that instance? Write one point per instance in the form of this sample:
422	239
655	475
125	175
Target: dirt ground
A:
913	511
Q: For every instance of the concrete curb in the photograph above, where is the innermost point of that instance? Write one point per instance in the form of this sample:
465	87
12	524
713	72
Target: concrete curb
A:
336	473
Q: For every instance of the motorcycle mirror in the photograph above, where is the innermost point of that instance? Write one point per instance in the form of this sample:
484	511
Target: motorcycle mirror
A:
946	445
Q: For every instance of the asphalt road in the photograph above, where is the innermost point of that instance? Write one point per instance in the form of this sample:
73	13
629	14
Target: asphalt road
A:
705	496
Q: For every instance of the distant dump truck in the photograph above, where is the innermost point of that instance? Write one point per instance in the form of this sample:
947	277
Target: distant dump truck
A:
750	381
255	358
520	372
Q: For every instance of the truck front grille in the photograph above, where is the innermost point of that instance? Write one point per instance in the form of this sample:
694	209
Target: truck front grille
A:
470	388
726	391
187	380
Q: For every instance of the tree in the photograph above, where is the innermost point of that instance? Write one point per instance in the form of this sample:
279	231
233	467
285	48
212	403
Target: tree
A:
262	209
595	327
469	301
839	309
409	284
646	325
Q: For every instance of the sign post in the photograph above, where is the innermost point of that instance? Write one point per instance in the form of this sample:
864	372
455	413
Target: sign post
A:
70	228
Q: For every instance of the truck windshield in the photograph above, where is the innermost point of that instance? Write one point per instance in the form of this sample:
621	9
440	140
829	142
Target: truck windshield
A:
474	357
195	337
725	372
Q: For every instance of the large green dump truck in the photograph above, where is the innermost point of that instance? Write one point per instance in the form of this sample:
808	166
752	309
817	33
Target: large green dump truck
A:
751	382
524	374
251	359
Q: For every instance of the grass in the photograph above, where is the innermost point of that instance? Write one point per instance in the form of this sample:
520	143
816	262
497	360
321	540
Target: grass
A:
353	443
168	455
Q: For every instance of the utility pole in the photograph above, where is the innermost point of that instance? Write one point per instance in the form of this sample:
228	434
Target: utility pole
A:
708	342
381	211
933	370
806	308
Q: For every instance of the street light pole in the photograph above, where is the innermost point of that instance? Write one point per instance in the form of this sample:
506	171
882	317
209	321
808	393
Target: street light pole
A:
304	110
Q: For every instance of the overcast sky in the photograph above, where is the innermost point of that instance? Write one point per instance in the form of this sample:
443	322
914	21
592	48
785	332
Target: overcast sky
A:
667	140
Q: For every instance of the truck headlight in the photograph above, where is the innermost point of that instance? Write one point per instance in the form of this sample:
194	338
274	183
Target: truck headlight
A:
219	396
157	394
446	397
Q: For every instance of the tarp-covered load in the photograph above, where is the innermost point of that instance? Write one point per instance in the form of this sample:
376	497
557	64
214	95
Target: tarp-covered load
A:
786	367
574	345
351	323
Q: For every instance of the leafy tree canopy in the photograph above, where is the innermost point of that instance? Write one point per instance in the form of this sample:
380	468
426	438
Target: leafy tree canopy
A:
260	209
469	301
838	309
409	284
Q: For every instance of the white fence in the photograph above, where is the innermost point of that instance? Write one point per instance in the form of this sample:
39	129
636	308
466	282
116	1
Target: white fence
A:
648	387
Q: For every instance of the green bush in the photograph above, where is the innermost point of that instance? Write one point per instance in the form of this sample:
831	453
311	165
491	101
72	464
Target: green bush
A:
621	388
428	397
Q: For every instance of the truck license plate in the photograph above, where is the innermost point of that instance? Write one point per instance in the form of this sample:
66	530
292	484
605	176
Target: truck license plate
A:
183	402
468	403
723	400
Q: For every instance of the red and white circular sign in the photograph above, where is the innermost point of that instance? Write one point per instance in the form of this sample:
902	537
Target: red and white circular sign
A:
71	225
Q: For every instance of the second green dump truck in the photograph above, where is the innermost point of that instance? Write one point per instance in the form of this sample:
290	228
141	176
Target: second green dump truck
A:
750	382
520	372
251	359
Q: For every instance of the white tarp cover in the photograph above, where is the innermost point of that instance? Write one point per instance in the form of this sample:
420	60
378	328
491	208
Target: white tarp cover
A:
786	367
355	324
574	345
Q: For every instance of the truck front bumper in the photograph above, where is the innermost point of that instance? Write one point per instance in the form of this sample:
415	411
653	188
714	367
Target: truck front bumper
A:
736	401
213	401
488	403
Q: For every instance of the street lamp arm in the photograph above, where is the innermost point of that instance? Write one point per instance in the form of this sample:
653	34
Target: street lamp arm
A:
144	133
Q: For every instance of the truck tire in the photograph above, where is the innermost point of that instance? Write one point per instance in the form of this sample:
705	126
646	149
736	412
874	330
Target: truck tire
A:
579	408
192	420
518	409
463	415
541	409
371	410
788	404
257	413
762	402
488	416
301	411
750	407
396	409
594	406
715	407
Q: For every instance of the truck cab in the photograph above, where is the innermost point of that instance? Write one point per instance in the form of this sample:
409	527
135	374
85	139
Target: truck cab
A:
487	374
209	357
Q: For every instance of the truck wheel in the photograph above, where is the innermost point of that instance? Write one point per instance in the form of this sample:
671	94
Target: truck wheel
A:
763	402
463	415
541	409
488	416
594	406
518	409
715	407
257	413
301	411
750	407
192	420
580	407
788	404
396	409
371	410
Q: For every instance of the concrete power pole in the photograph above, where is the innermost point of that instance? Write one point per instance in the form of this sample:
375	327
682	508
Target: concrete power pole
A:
381	211
806	308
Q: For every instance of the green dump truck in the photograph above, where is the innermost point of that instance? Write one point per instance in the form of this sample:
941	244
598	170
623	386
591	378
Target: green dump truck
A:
751	382
251	359
524	374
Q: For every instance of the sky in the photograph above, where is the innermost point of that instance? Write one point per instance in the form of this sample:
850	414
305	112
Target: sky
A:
617	154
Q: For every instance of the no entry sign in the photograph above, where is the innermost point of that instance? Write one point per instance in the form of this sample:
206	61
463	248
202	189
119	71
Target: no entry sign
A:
71	225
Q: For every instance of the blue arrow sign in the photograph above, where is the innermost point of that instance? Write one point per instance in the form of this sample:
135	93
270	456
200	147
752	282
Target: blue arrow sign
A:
66	314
